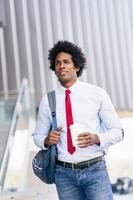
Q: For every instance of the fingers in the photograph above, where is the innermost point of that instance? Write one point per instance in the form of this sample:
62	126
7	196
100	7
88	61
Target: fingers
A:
82	136
85	140
59	129
54	136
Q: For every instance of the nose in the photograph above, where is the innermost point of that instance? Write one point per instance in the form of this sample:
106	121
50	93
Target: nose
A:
61	66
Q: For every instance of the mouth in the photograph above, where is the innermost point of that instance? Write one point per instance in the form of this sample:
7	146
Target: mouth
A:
62	73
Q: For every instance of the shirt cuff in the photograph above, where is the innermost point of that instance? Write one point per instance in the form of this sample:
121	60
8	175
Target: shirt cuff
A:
39	141
110	137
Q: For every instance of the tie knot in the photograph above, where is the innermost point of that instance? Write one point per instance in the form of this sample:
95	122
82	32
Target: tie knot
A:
68	92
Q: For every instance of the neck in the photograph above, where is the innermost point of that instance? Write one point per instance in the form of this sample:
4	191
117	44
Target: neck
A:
69	84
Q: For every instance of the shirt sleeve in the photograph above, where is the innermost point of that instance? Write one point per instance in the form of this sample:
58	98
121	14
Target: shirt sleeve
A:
110	123
43	124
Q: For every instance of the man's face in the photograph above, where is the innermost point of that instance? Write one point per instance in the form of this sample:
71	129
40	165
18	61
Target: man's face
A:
65	69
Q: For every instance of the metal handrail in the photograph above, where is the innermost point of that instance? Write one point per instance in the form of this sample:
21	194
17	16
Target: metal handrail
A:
23	90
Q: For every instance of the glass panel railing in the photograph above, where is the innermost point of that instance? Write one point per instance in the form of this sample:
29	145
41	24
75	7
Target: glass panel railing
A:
6	114
14	115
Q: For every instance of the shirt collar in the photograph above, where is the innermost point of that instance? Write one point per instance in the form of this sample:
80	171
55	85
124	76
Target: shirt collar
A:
72	88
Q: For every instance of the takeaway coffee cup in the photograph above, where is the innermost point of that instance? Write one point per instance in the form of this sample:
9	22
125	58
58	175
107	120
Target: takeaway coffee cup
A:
76	129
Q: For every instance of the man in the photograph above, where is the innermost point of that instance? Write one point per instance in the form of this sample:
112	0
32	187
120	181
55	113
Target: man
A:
80	171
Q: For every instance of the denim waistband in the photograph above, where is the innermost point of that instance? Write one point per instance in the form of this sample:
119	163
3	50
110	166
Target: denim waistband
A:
80	165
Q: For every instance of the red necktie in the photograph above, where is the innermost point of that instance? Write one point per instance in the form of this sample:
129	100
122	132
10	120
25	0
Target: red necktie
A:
69	120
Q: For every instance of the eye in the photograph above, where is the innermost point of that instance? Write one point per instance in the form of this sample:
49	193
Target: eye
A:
56	63
66	61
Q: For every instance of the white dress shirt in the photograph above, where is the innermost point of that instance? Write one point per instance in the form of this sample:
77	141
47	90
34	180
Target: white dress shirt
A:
91	107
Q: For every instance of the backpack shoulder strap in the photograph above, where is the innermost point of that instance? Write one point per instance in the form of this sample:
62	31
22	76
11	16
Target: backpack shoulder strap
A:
52	100
52	105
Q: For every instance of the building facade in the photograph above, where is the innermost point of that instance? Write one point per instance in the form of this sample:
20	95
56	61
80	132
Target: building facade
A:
104	29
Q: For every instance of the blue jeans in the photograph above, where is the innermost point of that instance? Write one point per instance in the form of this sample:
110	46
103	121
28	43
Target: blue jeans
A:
91	183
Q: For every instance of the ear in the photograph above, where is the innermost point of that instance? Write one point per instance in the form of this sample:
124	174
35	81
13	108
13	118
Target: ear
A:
77	69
